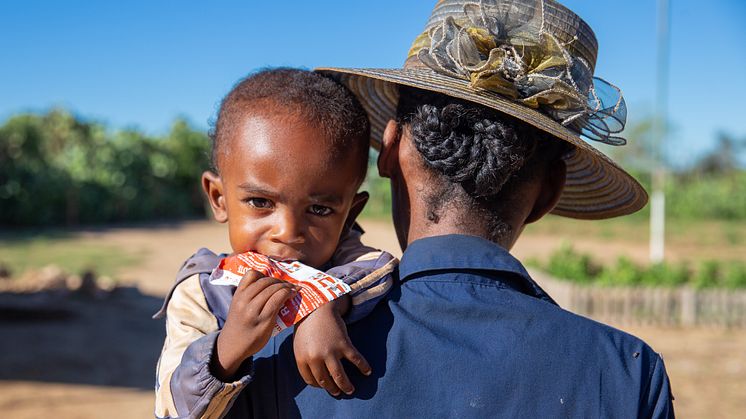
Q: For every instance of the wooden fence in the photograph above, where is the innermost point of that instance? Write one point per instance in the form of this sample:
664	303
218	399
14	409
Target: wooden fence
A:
684	306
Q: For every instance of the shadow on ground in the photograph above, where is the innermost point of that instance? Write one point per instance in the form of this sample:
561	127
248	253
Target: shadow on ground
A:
105	340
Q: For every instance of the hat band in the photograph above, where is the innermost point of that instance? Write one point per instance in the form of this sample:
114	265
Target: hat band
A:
533	67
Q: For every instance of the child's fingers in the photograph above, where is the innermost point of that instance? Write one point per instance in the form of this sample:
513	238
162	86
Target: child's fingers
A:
307	375
260	286
321	374
338	374
272	298
249	278
357	359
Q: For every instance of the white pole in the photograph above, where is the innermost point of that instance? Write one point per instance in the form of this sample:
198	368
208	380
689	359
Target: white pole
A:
658	198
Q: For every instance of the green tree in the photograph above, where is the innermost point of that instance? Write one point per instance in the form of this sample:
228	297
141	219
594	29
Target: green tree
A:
58	169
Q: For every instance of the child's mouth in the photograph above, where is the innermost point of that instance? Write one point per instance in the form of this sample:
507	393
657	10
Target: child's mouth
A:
286	256
283	259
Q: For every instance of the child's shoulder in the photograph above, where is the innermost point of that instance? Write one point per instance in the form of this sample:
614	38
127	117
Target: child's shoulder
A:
199	266
202	261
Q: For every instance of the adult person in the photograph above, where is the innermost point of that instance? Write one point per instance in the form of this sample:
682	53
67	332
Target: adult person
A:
480	135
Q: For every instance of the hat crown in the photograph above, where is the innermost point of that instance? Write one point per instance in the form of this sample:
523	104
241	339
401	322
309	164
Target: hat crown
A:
532	60
535	52
547	15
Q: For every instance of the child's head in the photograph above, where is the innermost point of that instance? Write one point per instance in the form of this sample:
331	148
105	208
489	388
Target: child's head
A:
290	150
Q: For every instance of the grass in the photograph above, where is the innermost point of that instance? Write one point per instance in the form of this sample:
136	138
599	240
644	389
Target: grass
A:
707	237
20	252
693	241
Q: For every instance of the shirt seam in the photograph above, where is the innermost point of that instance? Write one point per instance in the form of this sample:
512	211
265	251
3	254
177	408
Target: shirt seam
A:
430	281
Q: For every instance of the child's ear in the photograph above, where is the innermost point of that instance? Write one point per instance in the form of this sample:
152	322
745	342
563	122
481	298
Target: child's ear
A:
358	203
212	184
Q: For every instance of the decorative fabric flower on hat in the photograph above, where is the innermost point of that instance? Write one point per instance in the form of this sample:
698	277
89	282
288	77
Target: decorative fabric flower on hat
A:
519	59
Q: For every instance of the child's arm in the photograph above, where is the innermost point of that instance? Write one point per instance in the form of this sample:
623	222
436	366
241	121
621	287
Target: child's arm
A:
251	319
320	342
191	381
321	339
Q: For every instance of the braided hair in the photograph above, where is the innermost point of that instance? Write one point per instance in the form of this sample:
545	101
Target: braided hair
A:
479	154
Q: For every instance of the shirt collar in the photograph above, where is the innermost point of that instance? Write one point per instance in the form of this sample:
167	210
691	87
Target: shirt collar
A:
459	252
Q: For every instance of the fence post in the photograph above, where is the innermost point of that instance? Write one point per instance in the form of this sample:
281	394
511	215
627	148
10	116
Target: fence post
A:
688	306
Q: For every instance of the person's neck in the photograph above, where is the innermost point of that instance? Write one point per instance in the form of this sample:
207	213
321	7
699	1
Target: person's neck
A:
449	221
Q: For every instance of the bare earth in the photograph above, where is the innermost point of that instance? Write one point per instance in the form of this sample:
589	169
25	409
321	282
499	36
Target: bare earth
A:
96	359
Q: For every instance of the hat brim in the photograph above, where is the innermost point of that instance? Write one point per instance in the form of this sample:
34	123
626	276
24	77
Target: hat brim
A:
596	187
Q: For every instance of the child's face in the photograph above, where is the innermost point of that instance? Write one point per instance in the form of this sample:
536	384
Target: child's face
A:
279	190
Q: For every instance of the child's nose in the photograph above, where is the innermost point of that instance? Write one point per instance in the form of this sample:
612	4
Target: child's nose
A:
288	229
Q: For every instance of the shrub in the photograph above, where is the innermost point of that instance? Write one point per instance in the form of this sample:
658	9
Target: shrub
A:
663	274
56	169
566	263
735	276
708	275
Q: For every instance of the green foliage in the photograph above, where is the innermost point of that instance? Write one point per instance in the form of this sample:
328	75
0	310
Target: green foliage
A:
56	169
708	274
712	196
662	274
735	276
689	196
568	264
379	189
379	204
625	272
713	188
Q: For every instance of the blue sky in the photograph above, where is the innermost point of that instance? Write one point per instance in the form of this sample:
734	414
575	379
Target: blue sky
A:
142	63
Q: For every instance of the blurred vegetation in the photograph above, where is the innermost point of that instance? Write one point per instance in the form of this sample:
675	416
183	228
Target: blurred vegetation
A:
379	204
566	263
60	170
714	187
56	169
695	194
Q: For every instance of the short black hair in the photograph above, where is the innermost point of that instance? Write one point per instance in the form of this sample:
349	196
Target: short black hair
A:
321	101
479	154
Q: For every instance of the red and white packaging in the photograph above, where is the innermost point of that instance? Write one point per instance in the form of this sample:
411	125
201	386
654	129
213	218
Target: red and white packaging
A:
316	287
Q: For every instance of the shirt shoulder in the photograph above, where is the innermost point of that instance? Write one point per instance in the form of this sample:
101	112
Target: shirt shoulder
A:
198	266
624	362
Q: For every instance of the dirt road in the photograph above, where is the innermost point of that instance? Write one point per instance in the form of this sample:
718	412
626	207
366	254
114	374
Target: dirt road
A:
99	361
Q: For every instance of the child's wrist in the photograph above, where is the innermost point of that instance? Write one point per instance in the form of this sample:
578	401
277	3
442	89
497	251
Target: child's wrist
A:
226	360
342	305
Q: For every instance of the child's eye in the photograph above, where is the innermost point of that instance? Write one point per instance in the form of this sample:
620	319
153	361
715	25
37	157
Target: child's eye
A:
261	203
320	210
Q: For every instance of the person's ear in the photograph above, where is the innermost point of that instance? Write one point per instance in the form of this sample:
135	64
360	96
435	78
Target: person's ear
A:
358	203
212	184
552	185
388	158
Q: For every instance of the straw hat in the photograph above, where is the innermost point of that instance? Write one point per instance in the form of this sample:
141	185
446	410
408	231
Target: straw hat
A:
532	60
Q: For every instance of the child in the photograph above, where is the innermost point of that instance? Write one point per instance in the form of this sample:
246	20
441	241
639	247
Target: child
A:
290	150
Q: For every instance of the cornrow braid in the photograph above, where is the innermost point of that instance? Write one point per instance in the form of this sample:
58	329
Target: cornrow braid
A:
468	148
479	153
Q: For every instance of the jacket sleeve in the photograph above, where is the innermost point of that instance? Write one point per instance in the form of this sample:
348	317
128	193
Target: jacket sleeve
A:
185	386
657	400
366	270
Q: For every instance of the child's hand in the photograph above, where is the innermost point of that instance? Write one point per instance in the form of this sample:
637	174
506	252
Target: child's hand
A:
250	321
320	342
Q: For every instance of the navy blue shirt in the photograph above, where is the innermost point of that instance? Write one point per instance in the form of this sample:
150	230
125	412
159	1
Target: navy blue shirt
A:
466	332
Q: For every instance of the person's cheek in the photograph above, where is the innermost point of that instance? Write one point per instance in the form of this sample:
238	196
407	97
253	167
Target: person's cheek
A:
322	240
253	231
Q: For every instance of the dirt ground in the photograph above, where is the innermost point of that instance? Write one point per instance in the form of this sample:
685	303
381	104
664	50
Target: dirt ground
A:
94	357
